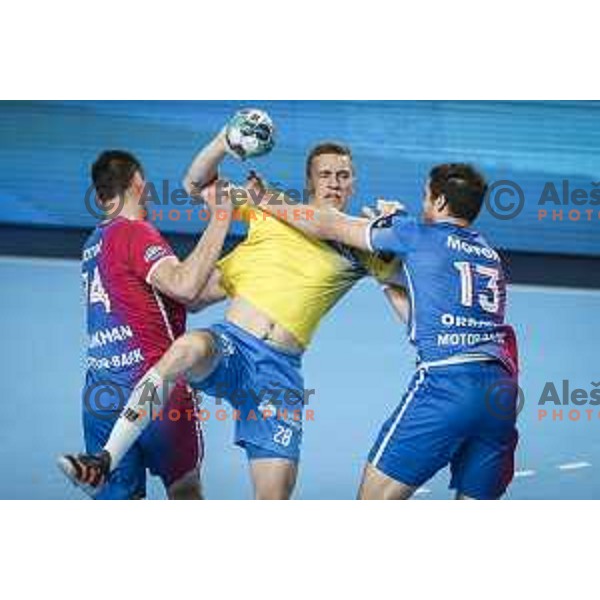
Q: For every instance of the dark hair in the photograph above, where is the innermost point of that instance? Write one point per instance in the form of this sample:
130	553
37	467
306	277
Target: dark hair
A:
326	148
112	173
463	187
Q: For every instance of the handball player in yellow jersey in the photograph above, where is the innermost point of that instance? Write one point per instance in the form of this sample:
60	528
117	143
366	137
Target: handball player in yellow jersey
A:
281	283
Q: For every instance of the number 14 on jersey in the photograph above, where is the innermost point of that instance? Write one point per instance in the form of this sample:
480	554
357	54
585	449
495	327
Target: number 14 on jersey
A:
94	290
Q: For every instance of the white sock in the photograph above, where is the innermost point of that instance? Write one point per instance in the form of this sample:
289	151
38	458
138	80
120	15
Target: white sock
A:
148	397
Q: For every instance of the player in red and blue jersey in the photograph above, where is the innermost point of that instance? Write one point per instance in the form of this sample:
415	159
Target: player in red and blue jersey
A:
137	292
460	408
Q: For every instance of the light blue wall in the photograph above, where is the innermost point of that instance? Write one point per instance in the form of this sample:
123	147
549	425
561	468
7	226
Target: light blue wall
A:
359	366
46	150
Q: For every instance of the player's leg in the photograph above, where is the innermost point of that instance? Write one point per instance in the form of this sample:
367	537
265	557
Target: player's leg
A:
194	354
416	442
187	487
128	481
272	441
265	387
173	446
376	485
273	477
483	467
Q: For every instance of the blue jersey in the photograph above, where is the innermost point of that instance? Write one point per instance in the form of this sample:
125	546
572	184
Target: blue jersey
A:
456	285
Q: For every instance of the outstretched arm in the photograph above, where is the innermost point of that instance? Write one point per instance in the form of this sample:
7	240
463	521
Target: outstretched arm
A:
337	226
204	167
325	224
322	223
249	133
185	280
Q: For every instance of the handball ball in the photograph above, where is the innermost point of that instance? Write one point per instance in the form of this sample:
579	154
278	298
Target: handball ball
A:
250	133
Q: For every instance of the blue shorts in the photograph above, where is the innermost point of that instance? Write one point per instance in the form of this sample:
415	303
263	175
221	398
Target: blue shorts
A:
170	447
264	385
453	415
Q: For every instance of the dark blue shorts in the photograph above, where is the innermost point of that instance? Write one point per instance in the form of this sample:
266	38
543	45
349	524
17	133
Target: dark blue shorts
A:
264	385
170	447
461	415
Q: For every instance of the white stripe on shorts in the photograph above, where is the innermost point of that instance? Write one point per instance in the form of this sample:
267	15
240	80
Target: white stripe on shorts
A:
458	359
390	433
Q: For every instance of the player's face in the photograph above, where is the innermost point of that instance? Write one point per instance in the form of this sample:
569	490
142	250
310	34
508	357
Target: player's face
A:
331	180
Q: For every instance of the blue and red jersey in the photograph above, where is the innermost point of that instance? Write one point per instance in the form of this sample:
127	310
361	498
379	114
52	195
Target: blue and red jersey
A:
130	324
456	285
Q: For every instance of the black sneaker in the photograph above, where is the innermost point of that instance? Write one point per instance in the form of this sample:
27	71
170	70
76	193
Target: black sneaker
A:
87	471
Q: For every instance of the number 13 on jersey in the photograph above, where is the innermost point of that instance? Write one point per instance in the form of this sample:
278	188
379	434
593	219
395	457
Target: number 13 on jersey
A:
489	299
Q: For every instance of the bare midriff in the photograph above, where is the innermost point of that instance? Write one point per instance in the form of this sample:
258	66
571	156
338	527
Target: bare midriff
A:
251	319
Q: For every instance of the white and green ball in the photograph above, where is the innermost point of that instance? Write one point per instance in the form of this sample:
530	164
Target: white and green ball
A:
250	133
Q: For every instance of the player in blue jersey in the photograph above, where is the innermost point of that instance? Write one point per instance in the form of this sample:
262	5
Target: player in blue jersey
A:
137	293
460	407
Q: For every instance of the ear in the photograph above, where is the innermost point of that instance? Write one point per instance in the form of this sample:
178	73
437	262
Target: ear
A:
440	203
137	183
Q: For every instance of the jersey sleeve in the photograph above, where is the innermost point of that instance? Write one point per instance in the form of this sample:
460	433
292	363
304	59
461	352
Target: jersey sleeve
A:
393	234
147	249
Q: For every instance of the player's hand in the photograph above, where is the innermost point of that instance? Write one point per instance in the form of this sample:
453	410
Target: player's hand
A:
255	182
383	208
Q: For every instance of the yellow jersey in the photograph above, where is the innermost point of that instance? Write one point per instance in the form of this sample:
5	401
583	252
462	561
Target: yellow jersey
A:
294	279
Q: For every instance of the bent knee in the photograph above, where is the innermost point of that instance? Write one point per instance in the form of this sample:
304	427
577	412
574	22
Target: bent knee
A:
376	485
194	347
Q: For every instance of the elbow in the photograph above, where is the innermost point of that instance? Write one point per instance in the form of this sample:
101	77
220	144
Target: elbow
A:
186	295
195	186
188	185
182	290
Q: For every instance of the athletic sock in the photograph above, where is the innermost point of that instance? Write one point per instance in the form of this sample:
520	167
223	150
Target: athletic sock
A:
148	397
